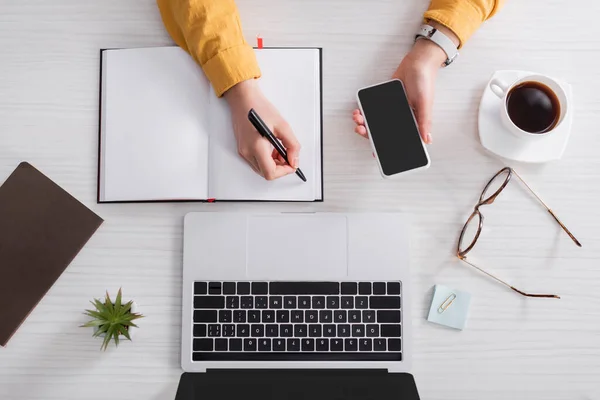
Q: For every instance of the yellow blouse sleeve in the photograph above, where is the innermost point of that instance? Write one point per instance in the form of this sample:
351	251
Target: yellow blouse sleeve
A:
462	17
211	31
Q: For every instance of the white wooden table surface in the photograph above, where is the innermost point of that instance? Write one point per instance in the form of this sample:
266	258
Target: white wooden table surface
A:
512	348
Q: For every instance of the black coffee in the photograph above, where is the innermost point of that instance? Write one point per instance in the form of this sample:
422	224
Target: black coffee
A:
533	107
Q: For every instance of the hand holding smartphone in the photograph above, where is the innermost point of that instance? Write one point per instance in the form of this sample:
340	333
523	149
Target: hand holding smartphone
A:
392	128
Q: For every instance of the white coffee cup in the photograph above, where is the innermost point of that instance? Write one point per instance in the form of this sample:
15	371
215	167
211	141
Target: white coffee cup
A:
502	89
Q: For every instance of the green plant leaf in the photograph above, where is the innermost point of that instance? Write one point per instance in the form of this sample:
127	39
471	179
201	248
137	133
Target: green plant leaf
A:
116	336
94	314
125	333
108	303
127	306
99	305
105	342
118	301
92	323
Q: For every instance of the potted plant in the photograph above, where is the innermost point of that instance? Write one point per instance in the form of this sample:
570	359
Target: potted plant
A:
112	320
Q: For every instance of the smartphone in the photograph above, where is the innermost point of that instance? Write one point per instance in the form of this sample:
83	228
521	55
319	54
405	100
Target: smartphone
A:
392	128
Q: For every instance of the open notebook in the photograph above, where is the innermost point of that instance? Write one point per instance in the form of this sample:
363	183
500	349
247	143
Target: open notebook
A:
165	136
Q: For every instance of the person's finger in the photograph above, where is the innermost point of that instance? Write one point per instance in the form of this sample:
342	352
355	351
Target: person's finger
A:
269	169
286	135
356	111
278	157
359	119
423	116
362	131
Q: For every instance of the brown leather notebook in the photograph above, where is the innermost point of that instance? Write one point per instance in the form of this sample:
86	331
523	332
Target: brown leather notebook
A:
42	228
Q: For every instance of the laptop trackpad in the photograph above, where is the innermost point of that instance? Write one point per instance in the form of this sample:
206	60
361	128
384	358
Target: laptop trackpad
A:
297	247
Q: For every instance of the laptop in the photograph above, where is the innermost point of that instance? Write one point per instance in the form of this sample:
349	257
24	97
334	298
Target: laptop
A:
297	291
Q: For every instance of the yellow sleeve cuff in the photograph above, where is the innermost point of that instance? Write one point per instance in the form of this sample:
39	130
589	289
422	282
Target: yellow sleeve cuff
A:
230	67
460	17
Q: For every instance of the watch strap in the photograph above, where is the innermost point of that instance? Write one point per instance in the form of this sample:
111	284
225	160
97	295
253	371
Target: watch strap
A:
430	33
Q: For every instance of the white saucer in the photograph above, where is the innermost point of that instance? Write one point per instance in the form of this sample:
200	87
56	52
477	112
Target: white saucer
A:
498	140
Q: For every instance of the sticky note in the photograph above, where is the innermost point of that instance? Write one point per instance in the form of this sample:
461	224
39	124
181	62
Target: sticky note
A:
449	307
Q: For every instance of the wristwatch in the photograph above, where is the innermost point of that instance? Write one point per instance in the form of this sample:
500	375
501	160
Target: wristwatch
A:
430	33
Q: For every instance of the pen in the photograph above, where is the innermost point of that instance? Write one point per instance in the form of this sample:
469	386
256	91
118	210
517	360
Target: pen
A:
264	130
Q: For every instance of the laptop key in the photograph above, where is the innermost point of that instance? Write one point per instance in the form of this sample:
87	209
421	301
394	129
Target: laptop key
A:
318	302
394	345
286	330
389	330
299	288
304	302
384	316
297	316
340	316
278	344
322	344
214	288
372	330
243	288
228	330
379	344
275	302
368	316
214	330
243	330
347	302
209	302
311	316
325	316
393	288
199	330
220	344
329	330
200	288
257	330
384	302
268	316
247	302
351	344
228	287
264	345
289	302
272	330
361	302
233	302
235	344
203	344
225	316
354	316
308	344
261	302
349	288
365	344
293	345
249	344
260	287
253	316
283	316
344	330
300	330
205	316
239	316
379	288
333	301
337	344
364	288
314	330
358	330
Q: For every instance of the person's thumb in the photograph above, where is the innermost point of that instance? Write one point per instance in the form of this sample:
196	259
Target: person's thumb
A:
423	116
284	133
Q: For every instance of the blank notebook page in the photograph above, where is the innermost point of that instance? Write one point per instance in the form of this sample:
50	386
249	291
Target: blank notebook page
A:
154	128
291	81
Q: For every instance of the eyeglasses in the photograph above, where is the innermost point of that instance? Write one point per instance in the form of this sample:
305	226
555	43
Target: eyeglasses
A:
490	192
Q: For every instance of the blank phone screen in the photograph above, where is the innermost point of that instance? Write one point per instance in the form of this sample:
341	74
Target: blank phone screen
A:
392	127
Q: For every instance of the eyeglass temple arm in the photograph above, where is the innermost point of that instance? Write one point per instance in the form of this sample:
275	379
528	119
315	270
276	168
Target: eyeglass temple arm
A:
573	238
545	296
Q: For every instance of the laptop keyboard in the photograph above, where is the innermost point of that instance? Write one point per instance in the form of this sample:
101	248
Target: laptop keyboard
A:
289	321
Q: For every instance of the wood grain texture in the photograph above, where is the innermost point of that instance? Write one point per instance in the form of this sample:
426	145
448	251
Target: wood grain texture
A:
512	348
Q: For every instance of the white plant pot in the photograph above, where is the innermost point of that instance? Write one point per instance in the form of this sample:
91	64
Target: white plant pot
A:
134	309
